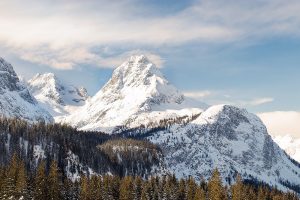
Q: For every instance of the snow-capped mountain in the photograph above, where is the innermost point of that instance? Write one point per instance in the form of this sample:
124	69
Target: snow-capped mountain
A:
137	94
223	137
55	96
194	138
16	100
230	139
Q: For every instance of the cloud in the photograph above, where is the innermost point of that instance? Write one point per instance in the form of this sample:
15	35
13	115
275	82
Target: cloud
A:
63	29
290	145
68	58
116	60
282	122
197	94
213	97
256	102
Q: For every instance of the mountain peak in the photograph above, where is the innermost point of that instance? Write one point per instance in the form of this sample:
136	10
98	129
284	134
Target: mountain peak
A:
136	93
46	78
15	99
138	58
139	76
56	96
137	70
6	67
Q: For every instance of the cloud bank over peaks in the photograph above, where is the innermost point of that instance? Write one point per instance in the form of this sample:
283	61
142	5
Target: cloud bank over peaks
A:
61	34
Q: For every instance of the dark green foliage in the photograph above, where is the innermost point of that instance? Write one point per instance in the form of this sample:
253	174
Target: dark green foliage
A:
23	175
60	142
128	155
53	185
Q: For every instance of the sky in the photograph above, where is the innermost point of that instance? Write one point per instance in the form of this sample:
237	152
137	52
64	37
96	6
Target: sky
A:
244	53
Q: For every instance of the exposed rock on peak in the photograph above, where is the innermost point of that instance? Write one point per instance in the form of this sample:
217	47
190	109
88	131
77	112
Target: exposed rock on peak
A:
56	96
15	99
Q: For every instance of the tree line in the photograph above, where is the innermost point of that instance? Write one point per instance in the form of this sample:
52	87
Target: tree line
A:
36	142
49	183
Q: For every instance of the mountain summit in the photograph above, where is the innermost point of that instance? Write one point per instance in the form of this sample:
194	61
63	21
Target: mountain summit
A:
15	99
232	140
137	94
57	97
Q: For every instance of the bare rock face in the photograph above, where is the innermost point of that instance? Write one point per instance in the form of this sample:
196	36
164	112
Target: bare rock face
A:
16	100
55	96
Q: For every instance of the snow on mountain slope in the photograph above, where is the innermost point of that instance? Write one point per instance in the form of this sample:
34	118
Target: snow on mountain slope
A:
230	139
137	94
15	99
290	145
55	96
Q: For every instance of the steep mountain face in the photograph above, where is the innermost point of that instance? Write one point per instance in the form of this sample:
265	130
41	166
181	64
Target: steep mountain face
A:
137	94
15	99
232	140
55	96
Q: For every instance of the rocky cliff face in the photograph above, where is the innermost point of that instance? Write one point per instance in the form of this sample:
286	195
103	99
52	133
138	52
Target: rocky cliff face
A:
55	96
15	99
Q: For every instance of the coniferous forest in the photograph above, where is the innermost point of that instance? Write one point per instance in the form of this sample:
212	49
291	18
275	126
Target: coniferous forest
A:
43	183
36	163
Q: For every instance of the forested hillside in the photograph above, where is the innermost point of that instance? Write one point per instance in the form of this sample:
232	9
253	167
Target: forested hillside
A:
51	161
75	151
43	183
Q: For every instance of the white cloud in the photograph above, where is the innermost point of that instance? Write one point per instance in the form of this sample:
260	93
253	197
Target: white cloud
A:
197	94
290	145
255	102
68	58
64	28
282	122
116	60
213	97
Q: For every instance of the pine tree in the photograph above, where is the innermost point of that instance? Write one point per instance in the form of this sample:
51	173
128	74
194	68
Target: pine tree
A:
9	183
165	189
84	188
107	192
147	191
21	182
126	188
181	190
250	193
2	182
54	182
215	189
261	194
138	187
40	182
199	194
191	189
237	190
70	191
115	187
95	188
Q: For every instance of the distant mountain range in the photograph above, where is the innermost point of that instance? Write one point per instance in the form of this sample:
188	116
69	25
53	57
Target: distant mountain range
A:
139	102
